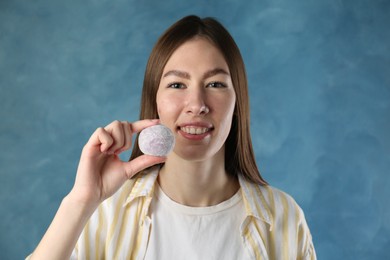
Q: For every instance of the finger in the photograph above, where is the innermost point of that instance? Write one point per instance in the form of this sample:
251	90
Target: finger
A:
100	138
127	137
138	126
116	130
98	143
140	163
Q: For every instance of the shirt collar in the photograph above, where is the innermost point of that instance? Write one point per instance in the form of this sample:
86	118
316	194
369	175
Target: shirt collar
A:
143	184
252	194
254	201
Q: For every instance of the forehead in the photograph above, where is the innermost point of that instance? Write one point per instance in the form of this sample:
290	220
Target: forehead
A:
197	53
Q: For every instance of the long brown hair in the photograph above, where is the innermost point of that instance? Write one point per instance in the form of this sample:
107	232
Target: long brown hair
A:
239	155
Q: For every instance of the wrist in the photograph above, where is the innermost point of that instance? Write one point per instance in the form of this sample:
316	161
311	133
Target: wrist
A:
85	205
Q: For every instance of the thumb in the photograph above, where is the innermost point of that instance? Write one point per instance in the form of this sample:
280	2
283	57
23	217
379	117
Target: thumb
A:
140	163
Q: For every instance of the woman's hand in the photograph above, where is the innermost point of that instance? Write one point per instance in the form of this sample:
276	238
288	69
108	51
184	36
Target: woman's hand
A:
101	172
99	175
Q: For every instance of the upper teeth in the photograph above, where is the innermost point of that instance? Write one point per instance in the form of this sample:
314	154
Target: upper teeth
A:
194	130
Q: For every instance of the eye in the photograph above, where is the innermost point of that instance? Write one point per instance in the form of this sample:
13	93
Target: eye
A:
216	84
176	85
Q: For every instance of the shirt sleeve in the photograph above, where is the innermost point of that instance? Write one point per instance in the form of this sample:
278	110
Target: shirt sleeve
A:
305	242
91	242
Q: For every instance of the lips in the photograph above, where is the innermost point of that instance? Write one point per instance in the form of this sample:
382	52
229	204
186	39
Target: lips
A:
195	130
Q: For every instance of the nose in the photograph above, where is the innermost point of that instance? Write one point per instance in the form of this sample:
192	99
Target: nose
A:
196	103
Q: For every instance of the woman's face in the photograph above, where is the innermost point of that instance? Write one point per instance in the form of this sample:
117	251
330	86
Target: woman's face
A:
196	100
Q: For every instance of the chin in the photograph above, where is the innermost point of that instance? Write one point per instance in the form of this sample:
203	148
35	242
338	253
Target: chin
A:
194	153
191	156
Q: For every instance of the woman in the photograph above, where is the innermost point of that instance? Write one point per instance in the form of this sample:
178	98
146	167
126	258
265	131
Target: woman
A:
206	199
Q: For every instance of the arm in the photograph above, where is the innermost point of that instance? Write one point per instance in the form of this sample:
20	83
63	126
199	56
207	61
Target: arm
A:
63	232
99	175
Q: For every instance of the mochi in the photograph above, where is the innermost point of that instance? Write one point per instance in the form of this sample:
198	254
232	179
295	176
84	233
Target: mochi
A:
157	140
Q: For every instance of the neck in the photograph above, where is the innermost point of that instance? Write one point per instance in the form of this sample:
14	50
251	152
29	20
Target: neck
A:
197	184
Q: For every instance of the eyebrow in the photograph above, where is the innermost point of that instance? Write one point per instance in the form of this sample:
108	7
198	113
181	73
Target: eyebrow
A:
186	75
214	72
177	73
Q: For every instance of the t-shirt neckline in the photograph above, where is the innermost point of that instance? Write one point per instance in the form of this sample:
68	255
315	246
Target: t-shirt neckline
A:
189	210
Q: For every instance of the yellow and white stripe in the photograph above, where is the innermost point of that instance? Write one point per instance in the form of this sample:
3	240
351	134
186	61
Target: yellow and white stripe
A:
274	227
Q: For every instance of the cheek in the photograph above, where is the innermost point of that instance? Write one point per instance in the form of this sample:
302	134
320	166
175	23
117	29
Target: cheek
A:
226	106
160	109
227	111
166	107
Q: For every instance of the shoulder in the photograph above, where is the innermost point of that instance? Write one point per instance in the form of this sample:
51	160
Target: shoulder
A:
280	202
271	204
283	207
288	219
284	218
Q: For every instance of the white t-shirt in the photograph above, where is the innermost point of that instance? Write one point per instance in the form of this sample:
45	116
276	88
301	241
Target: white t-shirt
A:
183	232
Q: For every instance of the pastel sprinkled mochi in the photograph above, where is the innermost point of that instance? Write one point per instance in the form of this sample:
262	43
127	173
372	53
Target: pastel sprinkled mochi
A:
157	140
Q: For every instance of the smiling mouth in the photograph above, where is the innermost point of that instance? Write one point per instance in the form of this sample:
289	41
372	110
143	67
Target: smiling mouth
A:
194	130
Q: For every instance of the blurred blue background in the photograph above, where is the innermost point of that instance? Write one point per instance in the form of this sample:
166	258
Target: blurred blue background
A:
319	76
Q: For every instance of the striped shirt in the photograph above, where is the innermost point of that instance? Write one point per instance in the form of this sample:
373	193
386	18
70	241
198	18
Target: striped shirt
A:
274	226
